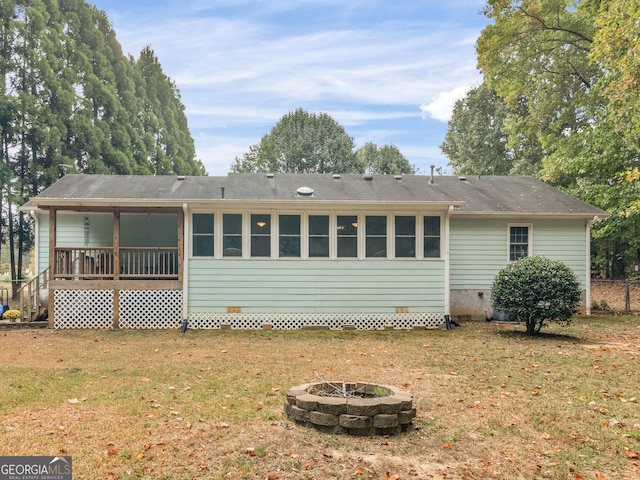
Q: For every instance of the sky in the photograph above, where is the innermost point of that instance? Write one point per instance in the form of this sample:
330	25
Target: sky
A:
388	71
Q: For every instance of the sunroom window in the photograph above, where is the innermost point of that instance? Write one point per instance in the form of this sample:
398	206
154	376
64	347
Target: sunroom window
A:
232	235
431	237
289	242
203	234
405	236
376	236
347	226
319	236
260	235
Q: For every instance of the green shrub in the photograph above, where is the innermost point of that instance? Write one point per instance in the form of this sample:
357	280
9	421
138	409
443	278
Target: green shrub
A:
535	290
601	305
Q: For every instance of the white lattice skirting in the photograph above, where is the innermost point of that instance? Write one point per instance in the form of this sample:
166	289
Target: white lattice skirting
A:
162	309
150	309
333	321
139	309
83	308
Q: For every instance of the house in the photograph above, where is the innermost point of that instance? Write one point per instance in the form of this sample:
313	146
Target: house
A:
288	251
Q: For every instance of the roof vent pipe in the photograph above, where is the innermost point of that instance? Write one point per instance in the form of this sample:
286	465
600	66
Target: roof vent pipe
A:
431	176
222	192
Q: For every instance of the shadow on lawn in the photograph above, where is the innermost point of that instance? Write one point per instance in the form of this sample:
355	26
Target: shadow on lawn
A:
542	336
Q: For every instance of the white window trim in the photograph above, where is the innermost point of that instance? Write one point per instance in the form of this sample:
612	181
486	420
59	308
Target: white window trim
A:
333	234
529	239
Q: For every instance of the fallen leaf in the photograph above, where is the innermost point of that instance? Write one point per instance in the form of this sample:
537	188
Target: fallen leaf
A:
446	445
140	456
545	436
73	400
630	454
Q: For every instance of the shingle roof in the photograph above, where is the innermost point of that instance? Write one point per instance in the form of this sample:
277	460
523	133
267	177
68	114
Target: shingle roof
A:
473	195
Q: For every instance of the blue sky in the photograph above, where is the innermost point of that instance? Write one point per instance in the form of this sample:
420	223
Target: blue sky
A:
387	71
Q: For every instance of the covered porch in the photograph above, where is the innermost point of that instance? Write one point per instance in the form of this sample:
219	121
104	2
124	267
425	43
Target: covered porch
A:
110	268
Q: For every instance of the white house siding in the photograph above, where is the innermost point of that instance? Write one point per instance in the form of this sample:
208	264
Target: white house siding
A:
325	287
479	249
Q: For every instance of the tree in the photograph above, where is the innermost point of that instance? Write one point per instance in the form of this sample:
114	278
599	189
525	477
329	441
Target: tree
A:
70	99
536	290
536	56
567	71
385	160
475	142
169	143
301	142
616	47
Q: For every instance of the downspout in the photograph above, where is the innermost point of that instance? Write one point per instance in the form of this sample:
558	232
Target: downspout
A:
185	261
587	293
447	263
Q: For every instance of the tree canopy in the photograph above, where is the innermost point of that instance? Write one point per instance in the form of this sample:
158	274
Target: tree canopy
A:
305	142
71	101
564	76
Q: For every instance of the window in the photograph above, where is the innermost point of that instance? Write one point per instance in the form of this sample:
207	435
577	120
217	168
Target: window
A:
319	236
202	234
260	235
232	235
405	236
347	236
376	236
431	237
289	243
518	241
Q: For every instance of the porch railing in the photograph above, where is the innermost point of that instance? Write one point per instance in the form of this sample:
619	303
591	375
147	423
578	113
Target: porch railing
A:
148	263
33	297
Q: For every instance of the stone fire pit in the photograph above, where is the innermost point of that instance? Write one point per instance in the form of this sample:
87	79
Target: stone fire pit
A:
354	408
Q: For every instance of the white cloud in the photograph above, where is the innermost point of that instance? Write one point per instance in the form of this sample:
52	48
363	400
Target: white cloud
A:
240	65
441	107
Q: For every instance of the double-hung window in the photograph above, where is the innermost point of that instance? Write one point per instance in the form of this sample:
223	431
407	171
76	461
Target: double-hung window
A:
347	226
203	234
431	237
376	236
289	233
232	235
260	235
318	236
405	236
519	241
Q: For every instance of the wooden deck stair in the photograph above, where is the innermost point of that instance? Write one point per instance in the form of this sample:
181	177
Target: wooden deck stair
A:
30	298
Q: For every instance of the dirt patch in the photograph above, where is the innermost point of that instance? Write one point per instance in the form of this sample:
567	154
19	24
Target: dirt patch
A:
610	293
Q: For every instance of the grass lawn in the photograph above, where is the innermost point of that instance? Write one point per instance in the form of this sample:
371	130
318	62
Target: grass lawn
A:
492	403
